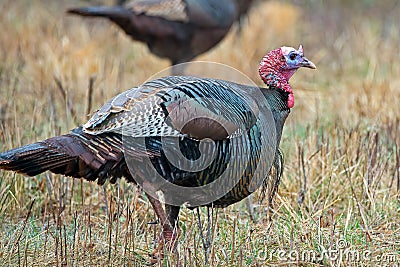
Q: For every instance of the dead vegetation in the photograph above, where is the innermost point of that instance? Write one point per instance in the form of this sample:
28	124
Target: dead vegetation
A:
340	188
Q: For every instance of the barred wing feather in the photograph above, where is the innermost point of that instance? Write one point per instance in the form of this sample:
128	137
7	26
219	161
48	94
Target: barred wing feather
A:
178	106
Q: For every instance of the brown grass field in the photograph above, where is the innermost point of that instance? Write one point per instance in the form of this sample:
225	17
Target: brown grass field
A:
339	200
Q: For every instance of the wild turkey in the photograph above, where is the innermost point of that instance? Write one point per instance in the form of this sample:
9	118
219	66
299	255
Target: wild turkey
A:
199	115
178	30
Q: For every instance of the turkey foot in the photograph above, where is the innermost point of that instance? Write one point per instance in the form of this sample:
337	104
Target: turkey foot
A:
167	243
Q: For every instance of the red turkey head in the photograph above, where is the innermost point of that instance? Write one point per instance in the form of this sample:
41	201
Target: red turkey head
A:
278	66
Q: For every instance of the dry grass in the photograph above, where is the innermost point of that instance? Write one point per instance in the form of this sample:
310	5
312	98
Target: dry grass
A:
341	181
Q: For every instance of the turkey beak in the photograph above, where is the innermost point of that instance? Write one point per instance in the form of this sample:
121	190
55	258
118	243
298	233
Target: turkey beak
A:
307	64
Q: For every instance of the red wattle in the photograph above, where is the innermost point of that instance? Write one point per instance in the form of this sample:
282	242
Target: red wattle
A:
290	101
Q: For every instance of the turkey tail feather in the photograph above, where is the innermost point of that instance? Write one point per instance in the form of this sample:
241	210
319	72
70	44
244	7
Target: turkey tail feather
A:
33	159
77	154
115	12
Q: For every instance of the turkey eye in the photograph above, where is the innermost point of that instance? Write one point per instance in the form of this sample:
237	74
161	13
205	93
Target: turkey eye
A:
292	56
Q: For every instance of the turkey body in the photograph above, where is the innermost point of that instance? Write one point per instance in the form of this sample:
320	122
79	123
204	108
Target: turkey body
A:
213	142
128	136
174	29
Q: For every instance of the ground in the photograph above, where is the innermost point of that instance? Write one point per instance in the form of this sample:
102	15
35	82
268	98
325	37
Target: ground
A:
338	202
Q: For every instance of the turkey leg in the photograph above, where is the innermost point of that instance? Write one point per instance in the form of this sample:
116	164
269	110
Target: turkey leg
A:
170	231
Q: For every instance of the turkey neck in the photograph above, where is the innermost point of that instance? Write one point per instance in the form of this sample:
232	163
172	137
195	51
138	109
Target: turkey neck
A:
277	100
